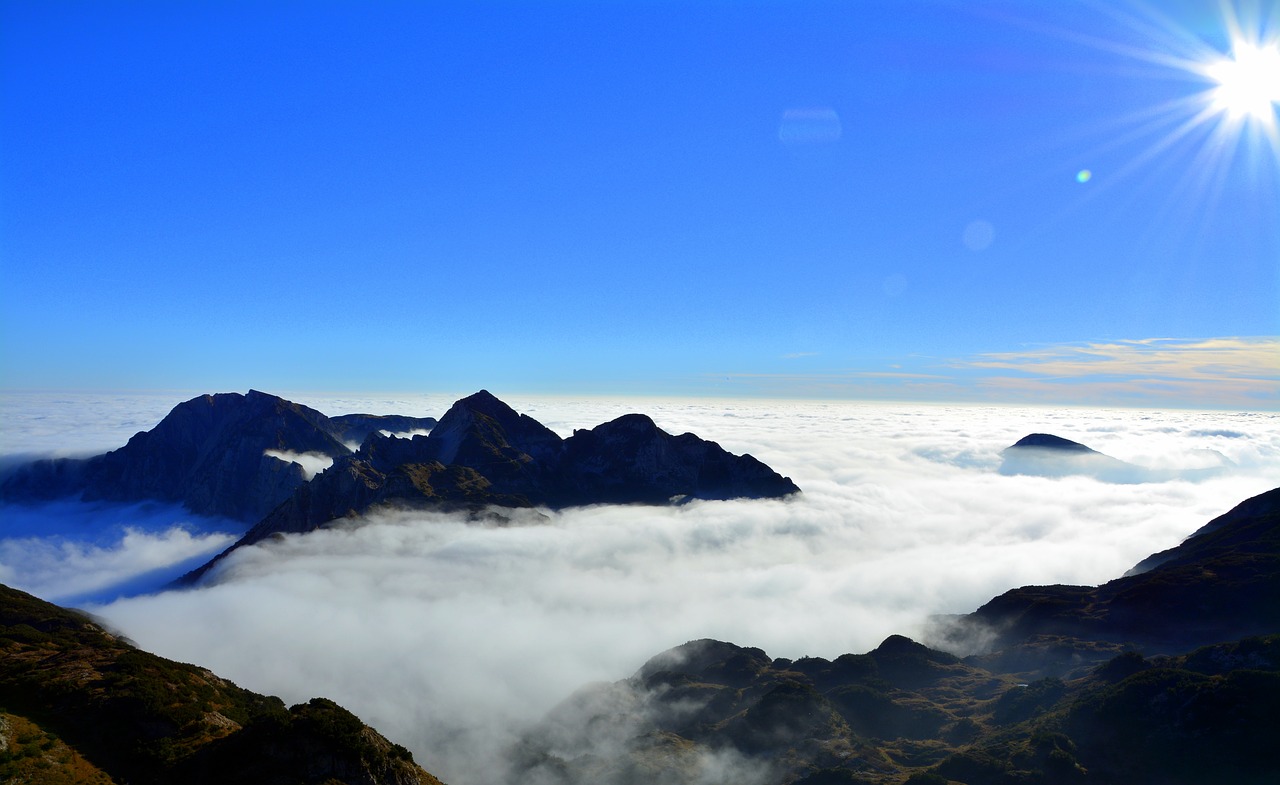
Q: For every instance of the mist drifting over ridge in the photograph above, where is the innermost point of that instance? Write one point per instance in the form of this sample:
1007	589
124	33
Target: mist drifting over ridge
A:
449	637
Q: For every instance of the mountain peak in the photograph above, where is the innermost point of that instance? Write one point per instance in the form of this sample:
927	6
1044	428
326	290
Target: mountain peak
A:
1050	442
1046	455
483	400
498	429
210	453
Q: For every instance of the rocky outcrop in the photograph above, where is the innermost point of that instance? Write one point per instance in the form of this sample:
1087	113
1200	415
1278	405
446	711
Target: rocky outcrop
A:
146	720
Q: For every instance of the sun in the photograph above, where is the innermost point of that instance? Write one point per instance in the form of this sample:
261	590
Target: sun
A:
1248	83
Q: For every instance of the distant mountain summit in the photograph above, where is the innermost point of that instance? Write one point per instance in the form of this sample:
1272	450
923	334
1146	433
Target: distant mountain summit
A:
1050	442
226	454
484	454
1046	455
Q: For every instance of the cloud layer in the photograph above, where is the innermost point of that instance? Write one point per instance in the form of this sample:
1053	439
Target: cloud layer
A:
72	552
451	637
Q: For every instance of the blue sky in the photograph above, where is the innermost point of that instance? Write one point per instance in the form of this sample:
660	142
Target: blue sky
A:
1004	201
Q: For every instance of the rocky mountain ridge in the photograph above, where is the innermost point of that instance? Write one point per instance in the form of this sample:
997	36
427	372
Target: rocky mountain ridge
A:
483	454
241	456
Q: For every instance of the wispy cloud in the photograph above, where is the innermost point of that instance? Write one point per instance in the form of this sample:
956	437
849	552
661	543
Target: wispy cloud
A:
1232	372
1212	359
1211	371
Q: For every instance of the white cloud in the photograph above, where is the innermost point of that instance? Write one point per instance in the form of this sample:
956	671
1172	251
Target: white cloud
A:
312	463
68	571
449	637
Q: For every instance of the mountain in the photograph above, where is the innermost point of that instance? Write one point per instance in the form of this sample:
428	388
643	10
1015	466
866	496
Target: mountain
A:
1221	583
1242	524
714	712
355	428
1046	455
225	454
710	706
80	704
484	454
1168	677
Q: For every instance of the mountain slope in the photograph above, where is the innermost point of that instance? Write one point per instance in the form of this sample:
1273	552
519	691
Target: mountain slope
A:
1219	584
134	717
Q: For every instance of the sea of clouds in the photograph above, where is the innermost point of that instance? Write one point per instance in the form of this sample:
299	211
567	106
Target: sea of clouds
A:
452	637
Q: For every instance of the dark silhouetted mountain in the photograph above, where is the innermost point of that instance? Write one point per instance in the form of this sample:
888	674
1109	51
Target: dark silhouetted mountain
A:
484	454
1048	441
114	713
209	454
225	454
355	428
1063	702
631	459
1046	455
